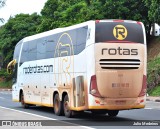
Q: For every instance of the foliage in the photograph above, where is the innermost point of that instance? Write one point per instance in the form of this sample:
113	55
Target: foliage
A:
155	91
153	73
69	13
14	30
2	4
4	75
6	84
64	13
154	10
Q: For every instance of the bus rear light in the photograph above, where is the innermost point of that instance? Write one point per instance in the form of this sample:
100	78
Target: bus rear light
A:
139	23
144	87
93	87
118	20
97	101
97	21
142	101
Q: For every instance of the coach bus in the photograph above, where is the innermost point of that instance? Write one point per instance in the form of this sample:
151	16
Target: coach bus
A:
97	66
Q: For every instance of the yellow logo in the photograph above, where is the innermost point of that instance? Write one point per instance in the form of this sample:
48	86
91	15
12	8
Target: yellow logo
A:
120	32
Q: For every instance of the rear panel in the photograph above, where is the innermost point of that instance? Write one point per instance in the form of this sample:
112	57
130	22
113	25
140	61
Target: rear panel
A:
120	57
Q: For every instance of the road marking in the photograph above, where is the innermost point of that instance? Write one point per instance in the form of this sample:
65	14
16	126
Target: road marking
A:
48	118
148	108
152	108
5	93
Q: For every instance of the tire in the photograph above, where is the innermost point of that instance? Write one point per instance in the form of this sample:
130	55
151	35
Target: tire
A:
67	112
99	112
58	105
24	105
113	113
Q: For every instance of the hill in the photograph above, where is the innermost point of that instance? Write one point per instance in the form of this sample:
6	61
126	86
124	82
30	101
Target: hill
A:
153	66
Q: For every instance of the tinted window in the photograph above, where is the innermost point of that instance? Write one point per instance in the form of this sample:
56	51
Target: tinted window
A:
16	56
24	54
50	46
41	49
32	50
17	51
111	31
57	45
81	39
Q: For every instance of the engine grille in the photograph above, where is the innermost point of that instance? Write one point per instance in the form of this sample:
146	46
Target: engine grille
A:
119	63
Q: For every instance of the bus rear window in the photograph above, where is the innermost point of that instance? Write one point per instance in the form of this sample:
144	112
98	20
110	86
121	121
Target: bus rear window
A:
119	32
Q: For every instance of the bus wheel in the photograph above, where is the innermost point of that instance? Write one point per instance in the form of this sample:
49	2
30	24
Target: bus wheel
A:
24	105
99	112
113	113
58	108
67	112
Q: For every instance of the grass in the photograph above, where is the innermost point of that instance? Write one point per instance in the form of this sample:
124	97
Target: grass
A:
153	69
155	91
4	84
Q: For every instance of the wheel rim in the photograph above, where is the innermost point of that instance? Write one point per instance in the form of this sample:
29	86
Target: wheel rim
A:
66	107
56	104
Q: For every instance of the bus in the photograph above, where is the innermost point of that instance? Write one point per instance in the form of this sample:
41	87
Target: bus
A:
97	66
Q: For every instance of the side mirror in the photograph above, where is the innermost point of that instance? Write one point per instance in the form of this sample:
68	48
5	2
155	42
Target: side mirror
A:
10	66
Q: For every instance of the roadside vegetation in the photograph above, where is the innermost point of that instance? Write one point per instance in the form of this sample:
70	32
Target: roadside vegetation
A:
153	67
62	13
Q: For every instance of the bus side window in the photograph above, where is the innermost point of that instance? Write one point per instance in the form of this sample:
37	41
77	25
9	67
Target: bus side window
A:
32	51
81	39
41	49
24	54
50	46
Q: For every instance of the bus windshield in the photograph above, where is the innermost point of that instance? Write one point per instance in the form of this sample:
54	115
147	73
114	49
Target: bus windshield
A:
119	32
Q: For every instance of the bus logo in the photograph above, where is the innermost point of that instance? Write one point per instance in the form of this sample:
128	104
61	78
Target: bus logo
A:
120	32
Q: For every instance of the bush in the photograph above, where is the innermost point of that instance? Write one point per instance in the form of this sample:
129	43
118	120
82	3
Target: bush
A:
153	73
4	75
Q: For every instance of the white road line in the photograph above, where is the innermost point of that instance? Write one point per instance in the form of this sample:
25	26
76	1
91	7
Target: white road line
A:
48	118
5	93
148	108
152	108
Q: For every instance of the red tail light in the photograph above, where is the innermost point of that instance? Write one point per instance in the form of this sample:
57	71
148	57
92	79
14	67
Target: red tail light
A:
118	20
144	86
93	87
97	21
139	23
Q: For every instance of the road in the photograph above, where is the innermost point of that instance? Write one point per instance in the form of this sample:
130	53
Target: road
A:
13	111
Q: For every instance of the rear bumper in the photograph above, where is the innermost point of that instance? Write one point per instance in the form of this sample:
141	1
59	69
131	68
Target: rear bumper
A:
117	103
117	107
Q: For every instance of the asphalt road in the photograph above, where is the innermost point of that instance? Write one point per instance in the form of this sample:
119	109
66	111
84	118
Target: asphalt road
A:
13	111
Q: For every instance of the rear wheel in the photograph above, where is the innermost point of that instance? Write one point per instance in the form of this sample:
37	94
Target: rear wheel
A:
67	112
58	105
24	105
113	113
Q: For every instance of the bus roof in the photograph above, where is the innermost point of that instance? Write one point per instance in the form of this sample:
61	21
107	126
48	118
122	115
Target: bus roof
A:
58	30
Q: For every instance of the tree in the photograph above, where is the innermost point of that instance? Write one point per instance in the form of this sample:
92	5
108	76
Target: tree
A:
2	4
153	12
64	13
14	30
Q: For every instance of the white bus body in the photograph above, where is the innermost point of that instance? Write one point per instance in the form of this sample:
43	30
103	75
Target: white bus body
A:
97	65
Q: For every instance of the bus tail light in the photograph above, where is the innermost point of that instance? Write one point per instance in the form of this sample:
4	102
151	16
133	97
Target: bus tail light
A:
139	23
97	21
93	87
118	20
144	87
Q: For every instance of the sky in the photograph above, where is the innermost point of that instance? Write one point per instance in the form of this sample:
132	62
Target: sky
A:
14	7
